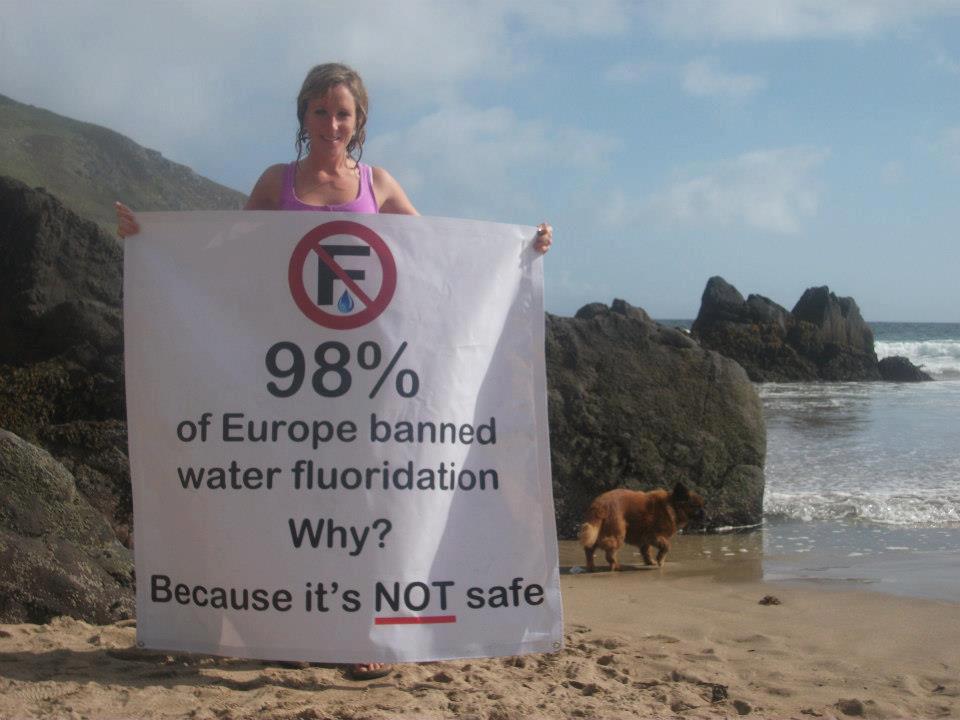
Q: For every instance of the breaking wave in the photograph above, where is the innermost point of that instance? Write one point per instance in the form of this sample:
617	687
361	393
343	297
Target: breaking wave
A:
903	510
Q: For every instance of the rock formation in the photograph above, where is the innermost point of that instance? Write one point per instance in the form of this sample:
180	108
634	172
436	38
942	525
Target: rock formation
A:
61	387
59	555
900	369
824	337
61	280
633	403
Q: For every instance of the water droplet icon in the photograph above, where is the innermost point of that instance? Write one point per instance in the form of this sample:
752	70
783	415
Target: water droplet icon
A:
345	303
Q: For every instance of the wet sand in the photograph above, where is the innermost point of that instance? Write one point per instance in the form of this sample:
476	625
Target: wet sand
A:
690	640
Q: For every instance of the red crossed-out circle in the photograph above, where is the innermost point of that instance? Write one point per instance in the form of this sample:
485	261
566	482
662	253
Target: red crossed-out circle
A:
310	243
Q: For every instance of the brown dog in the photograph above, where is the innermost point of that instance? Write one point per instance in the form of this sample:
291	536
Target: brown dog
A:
644	519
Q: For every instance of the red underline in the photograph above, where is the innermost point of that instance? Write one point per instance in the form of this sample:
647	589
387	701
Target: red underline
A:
420	620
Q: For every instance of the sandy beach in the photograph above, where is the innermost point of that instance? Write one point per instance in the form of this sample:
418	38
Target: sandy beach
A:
689	641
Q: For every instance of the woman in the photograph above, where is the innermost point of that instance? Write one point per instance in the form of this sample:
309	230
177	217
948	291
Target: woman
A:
332	114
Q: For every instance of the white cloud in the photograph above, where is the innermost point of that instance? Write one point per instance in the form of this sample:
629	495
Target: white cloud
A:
789	19
99	52
767	190
424	47
207	81
485	163
703	79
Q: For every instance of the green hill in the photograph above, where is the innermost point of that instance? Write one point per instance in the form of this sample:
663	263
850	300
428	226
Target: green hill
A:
88	167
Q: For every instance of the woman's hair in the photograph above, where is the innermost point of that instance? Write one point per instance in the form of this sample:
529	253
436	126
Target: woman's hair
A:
318	81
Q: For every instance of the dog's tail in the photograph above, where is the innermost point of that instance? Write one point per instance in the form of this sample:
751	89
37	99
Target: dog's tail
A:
588	533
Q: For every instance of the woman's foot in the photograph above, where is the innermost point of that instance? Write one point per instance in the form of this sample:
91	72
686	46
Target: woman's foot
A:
368	671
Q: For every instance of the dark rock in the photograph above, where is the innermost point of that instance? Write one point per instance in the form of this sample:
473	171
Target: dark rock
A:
59	556
95	452
635	404
824	337
719	693
61	362
591	310
838	319
753	332
622	307
900	369
60	281
721	301
852	707
53	392
831	331
764	310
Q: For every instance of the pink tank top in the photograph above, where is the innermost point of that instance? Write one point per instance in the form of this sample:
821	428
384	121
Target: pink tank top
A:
365	202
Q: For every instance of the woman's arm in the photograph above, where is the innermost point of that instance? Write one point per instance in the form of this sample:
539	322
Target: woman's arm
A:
390	196
265	196
266	193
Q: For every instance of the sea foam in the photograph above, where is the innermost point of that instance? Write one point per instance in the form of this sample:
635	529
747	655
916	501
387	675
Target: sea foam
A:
915	510
940	358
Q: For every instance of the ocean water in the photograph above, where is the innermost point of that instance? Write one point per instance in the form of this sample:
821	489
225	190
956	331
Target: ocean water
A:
863	479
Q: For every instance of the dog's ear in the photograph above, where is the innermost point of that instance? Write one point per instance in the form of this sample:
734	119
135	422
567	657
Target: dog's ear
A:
680	492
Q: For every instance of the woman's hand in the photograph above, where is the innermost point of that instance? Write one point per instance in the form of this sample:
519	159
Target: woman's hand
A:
127	224
544	238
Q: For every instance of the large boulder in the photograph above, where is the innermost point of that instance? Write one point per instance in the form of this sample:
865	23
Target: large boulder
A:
59	555
60	281
752	331
61	360
65	519
899	369
831	332
635	404
95	452
824	337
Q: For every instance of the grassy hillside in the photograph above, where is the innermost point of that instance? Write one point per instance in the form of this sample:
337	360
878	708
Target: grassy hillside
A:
88	167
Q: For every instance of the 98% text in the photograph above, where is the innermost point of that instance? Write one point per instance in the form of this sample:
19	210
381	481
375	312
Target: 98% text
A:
332	378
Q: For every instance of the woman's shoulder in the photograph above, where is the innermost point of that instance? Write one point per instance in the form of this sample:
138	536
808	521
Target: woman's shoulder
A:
383	181
274	174
390	194
381	173
267	192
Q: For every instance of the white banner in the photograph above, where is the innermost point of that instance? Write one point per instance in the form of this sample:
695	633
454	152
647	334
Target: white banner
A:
338	437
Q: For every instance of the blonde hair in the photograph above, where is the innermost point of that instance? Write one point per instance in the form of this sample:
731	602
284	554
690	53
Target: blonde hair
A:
318	81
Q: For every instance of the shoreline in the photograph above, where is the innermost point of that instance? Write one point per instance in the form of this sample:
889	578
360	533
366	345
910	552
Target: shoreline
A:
896	560
690	640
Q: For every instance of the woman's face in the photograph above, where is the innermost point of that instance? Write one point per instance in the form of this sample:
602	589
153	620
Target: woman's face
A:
331	121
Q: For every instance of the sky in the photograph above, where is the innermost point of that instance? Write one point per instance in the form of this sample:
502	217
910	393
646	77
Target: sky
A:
781	144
